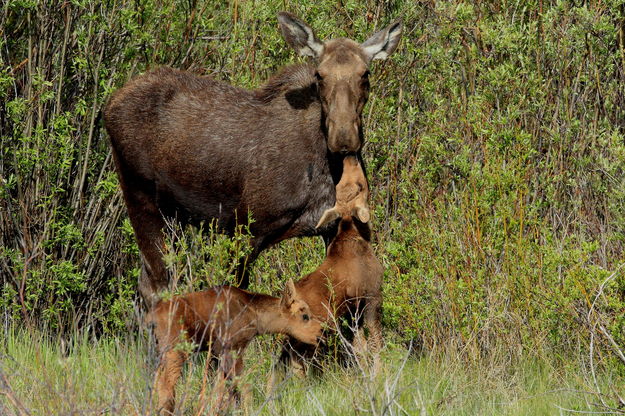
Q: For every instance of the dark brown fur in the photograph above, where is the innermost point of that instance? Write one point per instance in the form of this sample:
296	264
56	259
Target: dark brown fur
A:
197	149
222	320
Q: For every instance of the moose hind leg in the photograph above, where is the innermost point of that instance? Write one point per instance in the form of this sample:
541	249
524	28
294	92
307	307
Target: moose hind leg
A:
225	390
372	321
367	349
148	225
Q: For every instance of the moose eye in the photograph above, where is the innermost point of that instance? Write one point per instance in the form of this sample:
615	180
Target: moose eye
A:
365	76
306	317
319	77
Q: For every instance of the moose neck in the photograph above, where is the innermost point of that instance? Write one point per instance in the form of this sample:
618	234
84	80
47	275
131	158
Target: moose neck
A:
297	84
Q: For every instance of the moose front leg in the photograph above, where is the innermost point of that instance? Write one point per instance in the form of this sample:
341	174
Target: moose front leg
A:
167	375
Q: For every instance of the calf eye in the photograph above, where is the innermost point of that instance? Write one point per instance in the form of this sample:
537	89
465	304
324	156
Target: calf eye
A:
306	317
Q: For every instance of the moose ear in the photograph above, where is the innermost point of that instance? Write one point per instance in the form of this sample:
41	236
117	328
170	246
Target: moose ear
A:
384	42
299	35
288	295
328	216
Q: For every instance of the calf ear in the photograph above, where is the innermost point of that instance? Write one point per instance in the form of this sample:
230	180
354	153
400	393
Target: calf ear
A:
288	295
384	42
328	216
299	35
362	213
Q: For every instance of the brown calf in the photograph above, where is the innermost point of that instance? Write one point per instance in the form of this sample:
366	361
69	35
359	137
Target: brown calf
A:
223	320
350	278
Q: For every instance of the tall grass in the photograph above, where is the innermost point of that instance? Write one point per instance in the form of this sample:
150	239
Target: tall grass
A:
114	375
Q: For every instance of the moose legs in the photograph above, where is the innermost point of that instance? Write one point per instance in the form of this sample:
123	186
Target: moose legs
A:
225	390
371	322
148	225
369	347
167	375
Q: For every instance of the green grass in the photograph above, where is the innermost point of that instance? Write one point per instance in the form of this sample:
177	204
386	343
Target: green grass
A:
114	375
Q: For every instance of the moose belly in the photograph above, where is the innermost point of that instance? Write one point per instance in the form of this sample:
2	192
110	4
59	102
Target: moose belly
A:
284	209
198	201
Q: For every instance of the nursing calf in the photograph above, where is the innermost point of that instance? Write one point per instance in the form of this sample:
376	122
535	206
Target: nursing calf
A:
223	320
350	278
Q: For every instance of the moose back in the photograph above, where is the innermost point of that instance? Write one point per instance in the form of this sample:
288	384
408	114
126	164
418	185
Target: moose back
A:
193	148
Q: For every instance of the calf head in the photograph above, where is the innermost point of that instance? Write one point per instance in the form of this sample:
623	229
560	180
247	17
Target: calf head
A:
352	193
342	75
296	311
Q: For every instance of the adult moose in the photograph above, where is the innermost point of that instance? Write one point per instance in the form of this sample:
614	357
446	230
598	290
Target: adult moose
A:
196	149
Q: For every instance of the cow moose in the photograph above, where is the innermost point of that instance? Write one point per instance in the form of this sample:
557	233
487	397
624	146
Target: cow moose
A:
222	320
349	280
195	149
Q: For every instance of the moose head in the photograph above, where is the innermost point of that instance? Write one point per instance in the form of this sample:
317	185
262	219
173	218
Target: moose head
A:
342	75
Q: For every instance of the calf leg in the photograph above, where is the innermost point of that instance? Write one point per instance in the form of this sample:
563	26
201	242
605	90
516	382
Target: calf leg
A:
372	321
363	346
225	391
167	375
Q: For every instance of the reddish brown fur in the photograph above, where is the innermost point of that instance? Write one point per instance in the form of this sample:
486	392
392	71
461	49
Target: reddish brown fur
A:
223	320
351	275
192	148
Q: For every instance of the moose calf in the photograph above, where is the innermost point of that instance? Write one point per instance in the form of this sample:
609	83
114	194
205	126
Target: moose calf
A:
223	320
350	278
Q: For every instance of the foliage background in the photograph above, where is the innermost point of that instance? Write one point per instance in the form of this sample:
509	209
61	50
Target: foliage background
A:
495	150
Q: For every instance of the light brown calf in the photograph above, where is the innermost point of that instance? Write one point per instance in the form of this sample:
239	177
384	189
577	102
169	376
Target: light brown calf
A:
223	320
350	278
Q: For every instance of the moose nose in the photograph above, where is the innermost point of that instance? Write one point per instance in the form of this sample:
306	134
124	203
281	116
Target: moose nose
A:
345	140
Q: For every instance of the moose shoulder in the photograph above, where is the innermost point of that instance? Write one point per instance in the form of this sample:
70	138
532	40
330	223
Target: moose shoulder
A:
196	149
